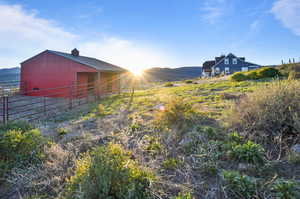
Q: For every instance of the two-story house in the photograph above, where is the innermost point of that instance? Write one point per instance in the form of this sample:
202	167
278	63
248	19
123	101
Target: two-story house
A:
227	65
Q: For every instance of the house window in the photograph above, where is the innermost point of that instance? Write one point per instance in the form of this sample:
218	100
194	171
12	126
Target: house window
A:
234	61
226	61
217	70
227	70
244	68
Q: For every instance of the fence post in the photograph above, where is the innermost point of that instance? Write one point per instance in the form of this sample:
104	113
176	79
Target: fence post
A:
45	109
5	109
71	97
87	92
7	113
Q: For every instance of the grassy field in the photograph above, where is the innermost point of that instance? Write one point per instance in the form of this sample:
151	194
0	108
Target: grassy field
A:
174	140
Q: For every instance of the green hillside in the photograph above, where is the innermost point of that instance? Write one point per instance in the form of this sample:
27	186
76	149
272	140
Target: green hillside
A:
209	138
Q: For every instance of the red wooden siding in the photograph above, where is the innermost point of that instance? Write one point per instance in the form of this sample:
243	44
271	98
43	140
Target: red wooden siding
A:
48	70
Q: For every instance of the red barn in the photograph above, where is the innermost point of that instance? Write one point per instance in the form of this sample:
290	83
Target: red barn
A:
58	74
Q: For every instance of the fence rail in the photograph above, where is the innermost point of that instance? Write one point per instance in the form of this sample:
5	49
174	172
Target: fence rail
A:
44	103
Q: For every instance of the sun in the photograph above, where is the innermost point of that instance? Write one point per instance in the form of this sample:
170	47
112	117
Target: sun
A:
137	72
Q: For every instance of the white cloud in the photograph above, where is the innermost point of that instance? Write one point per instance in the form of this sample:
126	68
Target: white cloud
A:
24	30
125	53
23	34
213	10
287	11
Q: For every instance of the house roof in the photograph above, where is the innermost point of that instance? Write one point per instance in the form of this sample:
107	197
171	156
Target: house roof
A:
207	65
88	61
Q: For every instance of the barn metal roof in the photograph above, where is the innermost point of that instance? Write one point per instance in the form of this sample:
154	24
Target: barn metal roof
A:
89	61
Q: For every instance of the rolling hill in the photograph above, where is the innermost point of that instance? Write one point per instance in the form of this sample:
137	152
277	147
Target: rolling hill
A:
173	74
10	74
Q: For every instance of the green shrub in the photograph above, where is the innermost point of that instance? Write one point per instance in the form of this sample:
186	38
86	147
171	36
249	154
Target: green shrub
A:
18	126
188	81
177	112
207	156
183	196
268	72
18	148
235	137
238	77
135	127
154	147
171	163
169	84
248	152
269	113
62	131
109	172
239	186
208	131
253	75
286	189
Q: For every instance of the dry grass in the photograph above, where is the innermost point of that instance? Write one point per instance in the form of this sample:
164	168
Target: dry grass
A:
270	116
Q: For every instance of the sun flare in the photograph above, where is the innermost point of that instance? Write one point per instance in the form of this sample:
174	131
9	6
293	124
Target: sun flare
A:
137	72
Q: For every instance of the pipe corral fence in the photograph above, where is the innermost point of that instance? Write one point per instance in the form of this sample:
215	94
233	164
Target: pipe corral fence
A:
44	103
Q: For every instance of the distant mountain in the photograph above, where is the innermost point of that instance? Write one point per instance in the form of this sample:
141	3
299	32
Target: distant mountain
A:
173	74
9	74
153	74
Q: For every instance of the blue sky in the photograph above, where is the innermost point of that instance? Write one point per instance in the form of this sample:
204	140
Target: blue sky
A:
156	33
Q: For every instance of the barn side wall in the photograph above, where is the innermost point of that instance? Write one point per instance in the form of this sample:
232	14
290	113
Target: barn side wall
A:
47	71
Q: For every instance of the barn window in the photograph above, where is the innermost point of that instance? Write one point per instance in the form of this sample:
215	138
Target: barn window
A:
36	89
226	61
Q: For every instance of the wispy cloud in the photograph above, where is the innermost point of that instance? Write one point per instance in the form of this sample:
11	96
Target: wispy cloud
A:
287	11
213	10
23	33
